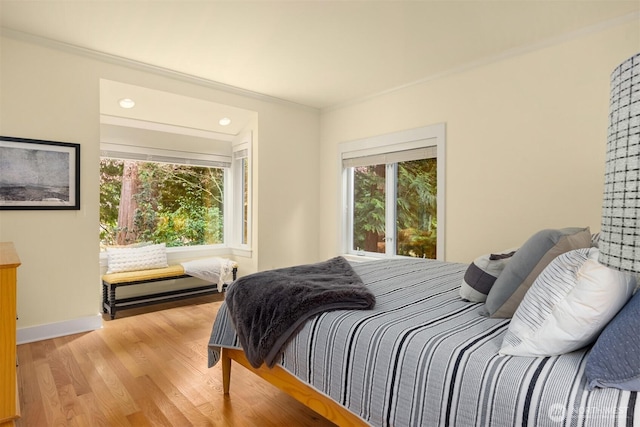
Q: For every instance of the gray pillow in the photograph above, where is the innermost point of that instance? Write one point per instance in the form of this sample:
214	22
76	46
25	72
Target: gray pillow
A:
527	263
481	275
614	360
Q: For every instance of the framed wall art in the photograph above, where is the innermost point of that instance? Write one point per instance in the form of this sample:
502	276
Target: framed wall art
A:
37	174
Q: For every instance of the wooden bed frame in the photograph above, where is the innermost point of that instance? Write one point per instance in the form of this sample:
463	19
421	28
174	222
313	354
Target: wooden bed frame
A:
291	385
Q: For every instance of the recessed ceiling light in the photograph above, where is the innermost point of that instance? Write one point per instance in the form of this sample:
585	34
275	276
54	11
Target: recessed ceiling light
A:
127	103
225	121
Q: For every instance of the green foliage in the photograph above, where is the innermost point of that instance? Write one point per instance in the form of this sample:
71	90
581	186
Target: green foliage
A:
110	187
178	205
369	207
189	226
416	208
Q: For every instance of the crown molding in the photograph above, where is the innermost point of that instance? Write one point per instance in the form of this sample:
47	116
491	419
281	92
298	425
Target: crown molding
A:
188	78
592	29
149	68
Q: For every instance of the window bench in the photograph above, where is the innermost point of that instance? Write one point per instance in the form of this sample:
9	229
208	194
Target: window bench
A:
110	282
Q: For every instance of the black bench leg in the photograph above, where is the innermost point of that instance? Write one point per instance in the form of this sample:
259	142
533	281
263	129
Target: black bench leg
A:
112	301
105	299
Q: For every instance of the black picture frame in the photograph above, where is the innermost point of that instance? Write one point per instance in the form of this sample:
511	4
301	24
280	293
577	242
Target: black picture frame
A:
39	175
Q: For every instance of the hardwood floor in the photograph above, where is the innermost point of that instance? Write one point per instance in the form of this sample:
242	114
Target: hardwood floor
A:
148	367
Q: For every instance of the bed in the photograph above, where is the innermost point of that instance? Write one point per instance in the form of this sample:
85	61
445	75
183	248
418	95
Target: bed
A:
423	356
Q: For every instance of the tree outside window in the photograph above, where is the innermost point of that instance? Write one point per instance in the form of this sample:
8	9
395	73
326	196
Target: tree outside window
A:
413	208
416	207
369	200
175	204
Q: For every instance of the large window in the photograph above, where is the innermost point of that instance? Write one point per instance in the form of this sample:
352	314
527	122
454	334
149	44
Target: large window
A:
182	199
176	204
393	194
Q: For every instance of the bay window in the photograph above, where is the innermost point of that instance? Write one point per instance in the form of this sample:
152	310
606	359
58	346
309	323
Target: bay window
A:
182	199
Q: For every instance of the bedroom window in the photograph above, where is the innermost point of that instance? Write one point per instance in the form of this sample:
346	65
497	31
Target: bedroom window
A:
148	196
393	194
242	192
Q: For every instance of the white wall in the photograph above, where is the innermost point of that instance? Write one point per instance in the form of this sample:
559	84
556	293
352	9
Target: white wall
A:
53	94
525	141
525	151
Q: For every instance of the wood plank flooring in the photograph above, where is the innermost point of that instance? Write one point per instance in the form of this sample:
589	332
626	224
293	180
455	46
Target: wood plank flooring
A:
148	367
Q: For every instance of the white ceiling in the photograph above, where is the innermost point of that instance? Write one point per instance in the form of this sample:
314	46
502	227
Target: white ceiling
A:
166	112
316	53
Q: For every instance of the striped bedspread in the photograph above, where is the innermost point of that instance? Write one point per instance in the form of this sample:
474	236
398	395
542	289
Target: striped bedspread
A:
425	357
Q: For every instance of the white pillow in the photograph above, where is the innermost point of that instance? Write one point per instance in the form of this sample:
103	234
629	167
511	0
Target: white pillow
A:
567	306
138	258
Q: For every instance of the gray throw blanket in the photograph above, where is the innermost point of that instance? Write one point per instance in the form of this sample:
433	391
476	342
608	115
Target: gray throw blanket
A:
268	307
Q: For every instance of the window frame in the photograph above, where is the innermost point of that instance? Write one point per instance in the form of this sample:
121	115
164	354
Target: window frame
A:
424	137
241	150
152	154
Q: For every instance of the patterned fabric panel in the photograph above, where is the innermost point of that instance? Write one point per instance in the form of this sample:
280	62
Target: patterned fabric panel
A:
425	357
619	243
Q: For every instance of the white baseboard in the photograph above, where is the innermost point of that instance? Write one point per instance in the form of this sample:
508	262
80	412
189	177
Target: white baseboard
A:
59	329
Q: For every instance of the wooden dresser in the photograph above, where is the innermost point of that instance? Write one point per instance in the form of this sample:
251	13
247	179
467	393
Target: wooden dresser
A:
9	403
